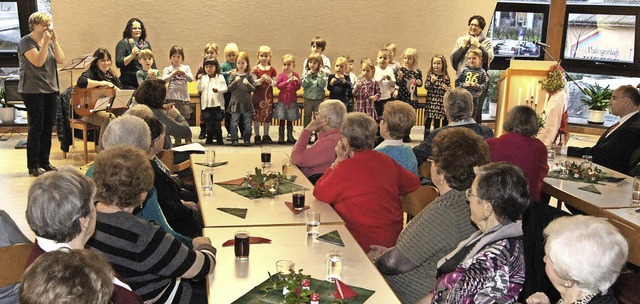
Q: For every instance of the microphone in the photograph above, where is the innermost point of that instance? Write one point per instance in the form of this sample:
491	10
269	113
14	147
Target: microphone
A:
541	44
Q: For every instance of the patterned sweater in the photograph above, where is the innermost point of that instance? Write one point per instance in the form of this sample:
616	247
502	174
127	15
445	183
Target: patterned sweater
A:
241	94
153	262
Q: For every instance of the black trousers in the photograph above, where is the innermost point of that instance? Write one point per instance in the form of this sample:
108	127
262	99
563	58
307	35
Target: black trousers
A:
41	109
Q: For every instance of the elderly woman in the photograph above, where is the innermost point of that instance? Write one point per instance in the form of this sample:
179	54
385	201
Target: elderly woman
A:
38	54
488	267
61	213
458	106
584	256
134	40
519	147
313	161
170	214
364	186
99	74
163	269
410	266
396	123
152	93
79	276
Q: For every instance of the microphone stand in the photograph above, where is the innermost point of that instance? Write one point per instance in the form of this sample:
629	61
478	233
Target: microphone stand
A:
544	48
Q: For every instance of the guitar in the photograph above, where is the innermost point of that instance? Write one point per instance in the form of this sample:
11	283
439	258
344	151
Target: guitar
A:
84	100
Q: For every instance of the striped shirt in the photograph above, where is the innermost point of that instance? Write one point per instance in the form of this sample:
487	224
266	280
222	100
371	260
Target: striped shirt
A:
155	264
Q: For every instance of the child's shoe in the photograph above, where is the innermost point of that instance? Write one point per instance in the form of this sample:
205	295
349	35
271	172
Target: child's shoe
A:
257	140
267	140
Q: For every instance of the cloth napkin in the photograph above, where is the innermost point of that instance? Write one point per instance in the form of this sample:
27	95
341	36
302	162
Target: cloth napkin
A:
343	291
252	240
239	212
233	182
591	188
294	211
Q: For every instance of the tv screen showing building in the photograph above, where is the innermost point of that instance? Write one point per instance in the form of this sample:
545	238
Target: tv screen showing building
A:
600	37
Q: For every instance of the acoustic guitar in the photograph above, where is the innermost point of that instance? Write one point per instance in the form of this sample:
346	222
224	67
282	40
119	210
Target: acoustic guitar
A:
84	100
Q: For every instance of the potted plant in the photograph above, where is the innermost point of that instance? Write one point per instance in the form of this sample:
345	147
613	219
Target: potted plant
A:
597	99
492	94
7	112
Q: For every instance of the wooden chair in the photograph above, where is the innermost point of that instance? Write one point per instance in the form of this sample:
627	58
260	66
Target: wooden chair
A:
85	127
415	201
166	156
12	261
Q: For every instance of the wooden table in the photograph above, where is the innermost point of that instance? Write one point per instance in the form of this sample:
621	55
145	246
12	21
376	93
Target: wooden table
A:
590	203
261	212
627	220
231	279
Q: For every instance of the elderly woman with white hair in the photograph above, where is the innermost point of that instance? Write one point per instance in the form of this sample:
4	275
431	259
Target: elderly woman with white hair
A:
314	160
584	256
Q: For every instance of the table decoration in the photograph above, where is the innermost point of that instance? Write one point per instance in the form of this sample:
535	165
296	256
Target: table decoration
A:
294	211
572	171
271	291
239	212
252	240
332	237
217	164
250	187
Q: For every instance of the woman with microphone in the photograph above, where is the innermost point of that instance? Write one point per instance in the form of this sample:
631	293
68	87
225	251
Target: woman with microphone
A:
133	41
38	56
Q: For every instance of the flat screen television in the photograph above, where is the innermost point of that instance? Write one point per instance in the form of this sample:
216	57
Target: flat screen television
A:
600	37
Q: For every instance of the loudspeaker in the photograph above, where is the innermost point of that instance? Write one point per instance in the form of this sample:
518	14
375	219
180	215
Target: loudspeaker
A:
11	90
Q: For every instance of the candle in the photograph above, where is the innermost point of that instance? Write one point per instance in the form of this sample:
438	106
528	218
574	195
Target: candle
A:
519	95
537	93
528	91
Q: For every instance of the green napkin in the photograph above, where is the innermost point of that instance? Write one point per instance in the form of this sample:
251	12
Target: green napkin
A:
239	212
591	188
332	237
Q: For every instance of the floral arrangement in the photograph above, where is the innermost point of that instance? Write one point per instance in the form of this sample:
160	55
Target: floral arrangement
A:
555	79
263	184
292	288
575	171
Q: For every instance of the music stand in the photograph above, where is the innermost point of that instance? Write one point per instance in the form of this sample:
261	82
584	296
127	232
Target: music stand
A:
79	63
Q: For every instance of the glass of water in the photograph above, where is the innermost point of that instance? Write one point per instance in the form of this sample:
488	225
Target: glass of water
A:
313	223
635	192
334	265
206	179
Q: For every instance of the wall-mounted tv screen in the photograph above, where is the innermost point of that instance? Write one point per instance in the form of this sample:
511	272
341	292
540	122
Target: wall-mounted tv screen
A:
513	33
600	37
9	27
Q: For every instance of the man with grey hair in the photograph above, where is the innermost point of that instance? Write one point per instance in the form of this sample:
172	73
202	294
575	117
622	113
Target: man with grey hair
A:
314	160
458	106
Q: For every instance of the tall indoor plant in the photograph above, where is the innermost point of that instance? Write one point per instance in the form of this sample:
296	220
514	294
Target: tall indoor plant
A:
597	99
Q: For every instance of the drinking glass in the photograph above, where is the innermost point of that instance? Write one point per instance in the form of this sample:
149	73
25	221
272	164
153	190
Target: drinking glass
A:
551	154
587	160
334	265
242	245
297	198
313	222
287	168
284	267
206	179
265	156
210	156
635	194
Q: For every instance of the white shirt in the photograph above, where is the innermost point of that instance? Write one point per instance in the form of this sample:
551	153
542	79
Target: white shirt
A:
386	86
210	99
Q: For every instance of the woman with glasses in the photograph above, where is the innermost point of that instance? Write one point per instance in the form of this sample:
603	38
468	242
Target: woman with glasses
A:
488	266
410	266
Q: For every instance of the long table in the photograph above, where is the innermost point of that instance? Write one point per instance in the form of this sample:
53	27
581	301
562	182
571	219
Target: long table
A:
232	278
590	203
627	220
260	212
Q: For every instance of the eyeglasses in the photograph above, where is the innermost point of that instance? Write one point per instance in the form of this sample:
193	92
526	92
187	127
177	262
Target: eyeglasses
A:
469	194
474	25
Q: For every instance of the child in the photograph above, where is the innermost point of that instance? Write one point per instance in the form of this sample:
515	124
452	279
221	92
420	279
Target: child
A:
352	75
385	77
240	105
264	81
177	75
409	77
287	107
366	91
437	83
145	57
339	84
319	45
211	86
210	52
313	82
474	79
391	47
228	70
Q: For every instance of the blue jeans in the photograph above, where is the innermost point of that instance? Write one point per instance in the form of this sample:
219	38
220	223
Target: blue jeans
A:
246	123
41	109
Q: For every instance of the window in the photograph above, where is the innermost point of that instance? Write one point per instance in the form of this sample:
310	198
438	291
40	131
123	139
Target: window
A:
15	17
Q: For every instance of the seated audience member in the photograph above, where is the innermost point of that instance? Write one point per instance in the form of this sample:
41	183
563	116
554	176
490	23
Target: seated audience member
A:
488	267
10	234
584	256
458	106
99	74
314	160
364	186
153	93
139	110
520	147
614	148
396	123
410	266
61	213
164	270
68	276
135	132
